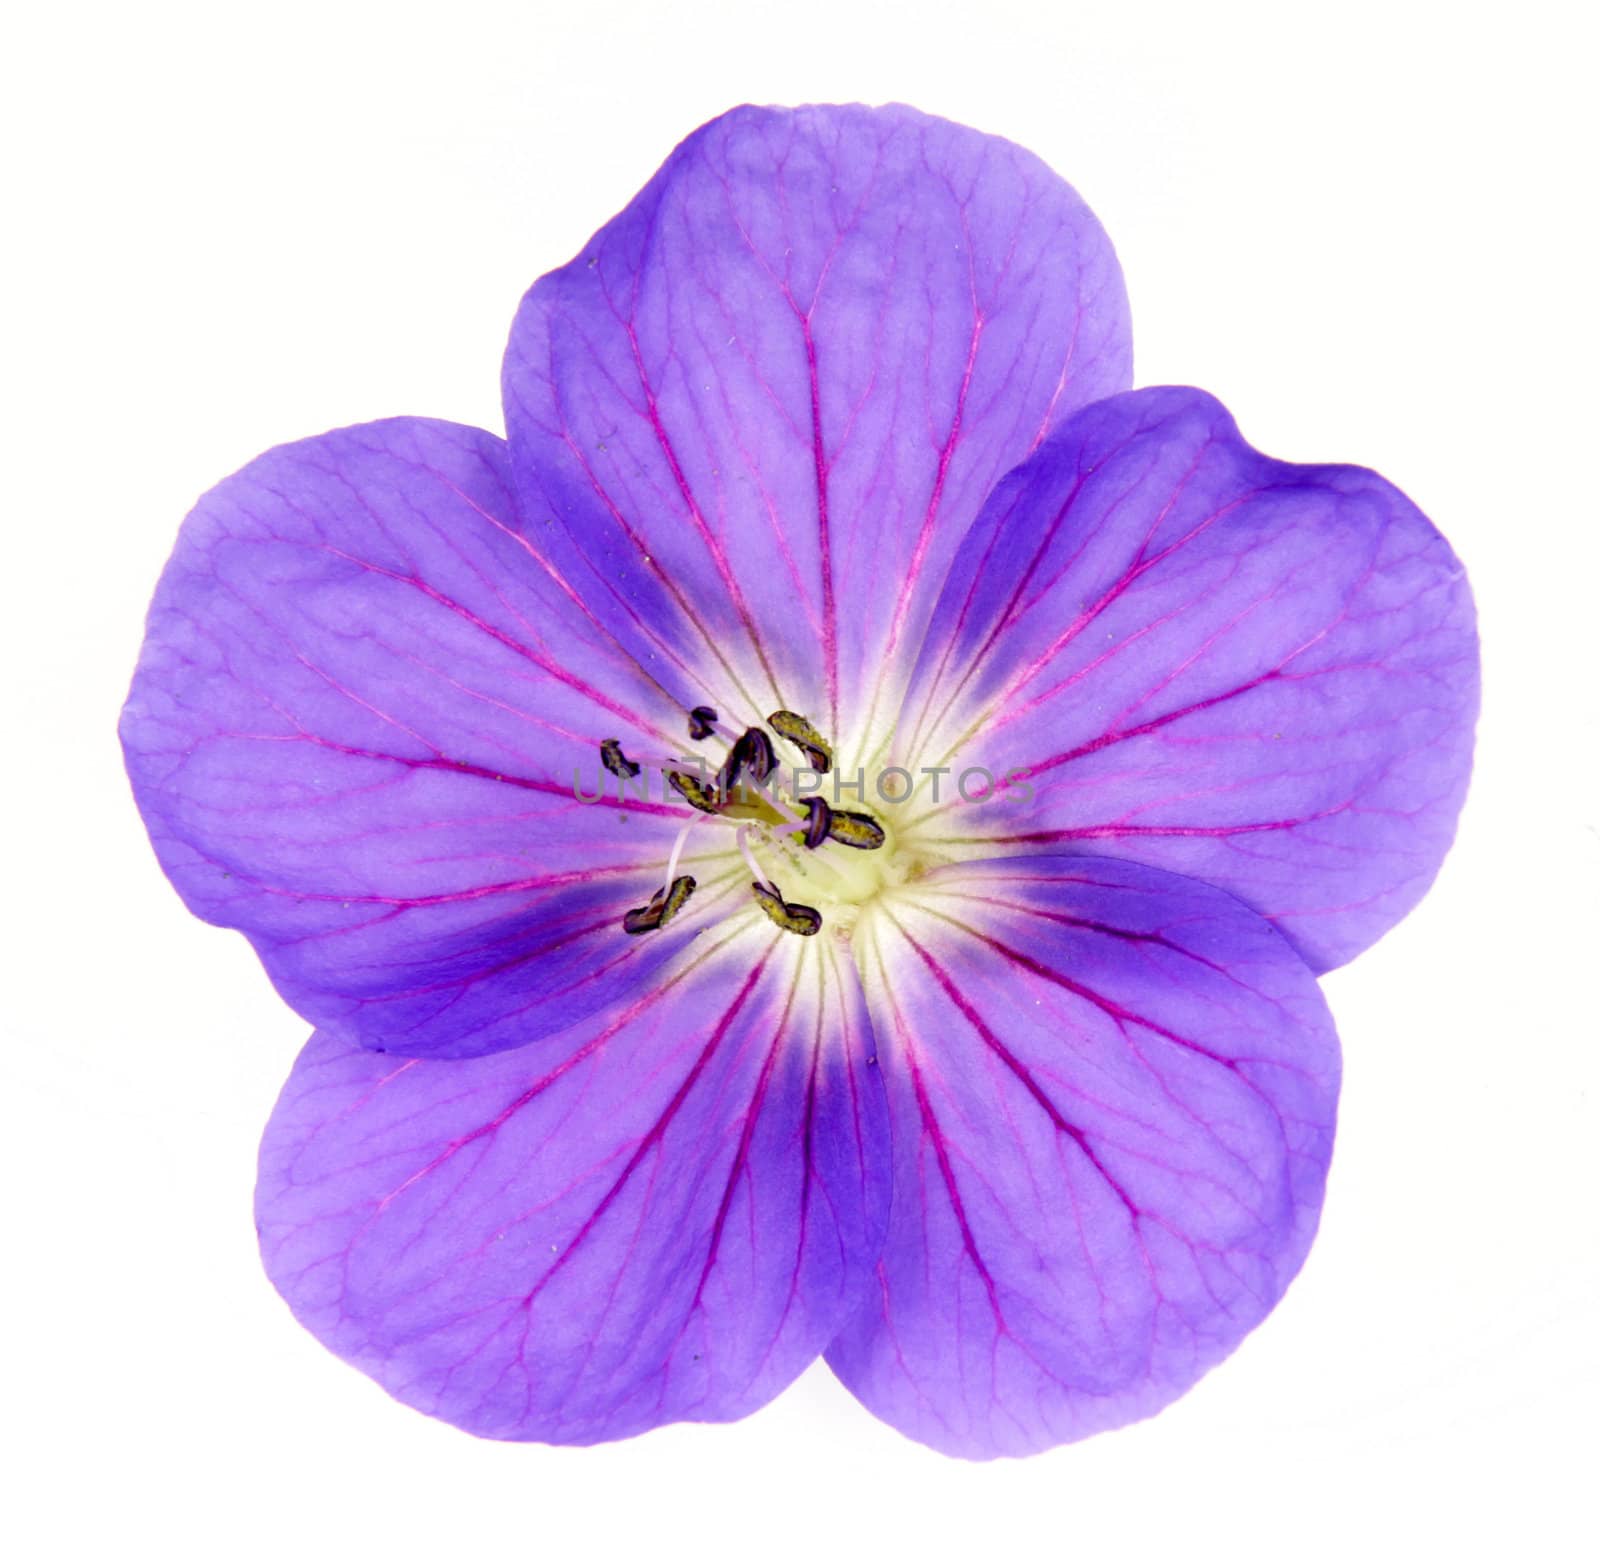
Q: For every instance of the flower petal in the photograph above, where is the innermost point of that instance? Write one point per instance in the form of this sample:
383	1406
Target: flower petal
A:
769	397
1258	674
1112	1098
354	734
666	1221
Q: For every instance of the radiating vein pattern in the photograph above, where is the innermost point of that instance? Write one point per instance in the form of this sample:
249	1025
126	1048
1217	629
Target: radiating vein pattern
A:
745	434
583	790
355	732
1112	1099
656	1220
1258	674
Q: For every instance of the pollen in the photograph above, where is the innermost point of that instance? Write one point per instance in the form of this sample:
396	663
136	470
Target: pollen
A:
811	863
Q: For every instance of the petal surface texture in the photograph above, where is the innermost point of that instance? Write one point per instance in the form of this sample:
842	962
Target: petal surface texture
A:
1257	674
661	1216
1112	1096
355	731
766	401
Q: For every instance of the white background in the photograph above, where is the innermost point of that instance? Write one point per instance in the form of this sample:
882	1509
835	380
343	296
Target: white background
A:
1370	231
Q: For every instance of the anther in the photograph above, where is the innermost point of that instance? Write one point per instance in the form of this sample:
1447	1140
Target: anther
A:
819	818
664	905
694	792
702	722
855	829
805	737
802	920
615	760
750	755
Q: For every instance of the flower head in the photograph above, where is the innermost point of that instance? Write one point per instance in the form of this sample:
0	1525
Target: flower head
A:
822	841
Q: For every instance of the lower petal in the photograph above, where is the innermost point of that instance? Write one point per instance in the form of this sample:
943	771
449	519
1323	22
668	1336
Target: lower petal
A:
1112	1096
664	1220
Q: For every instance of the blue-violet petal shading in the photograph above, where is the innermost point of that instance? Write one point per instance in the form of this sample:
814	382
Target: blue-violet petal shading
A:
1257	674
1031	1126
1112	1096
354	732
663	1215
765	402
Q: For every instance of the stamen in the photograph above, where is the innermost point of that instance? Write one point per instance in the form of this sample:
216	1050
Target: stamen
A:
615	760
805	737
742	840
677	849
759	759
857	830
664	905
751	754
678	892
693	791
819	819
752	759
802	920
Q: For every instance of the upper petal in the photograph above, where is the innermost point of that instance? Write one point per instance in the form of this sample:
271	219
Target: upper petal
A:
663	1216
1259	674
767	399
355	731
1112	1097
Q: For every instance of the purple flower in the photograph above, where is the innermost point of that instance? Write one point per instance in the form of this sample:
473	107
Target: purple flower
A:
992	757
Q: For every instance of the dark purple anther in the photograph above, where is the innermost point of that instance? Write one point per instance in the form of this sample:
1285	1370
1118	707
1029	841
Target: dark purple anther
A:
819	816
